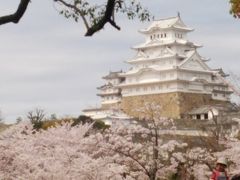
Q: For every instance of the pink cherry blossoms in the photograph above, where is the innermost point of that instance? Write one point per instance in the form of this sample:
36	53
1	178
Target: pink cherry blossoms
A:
122	152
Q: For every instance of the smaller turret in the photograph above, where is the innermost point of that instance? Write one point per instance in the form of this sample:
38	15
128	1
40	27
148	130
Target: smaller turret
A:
111	94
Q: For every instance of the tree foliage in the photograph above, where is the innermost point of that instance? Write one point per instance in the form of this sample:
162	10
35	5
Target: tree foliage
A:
235	8
95	15
139	151
120	152
57	153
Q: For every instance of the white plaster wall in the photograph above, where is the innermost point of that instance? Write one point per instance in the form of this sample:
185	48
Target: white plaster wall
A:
196	87
212	112
110	99
110	90
150	89
166	63
114	81
202	117
219	96
179	49
148	76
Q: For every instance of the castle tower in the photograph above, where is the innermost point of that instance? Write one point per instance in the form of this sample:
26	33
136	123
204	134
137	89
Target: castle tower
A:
169	71
110	93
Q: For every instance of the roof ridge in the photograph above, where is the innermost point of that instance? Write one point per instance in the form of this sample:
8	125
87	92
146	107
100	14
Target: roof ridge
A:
166	18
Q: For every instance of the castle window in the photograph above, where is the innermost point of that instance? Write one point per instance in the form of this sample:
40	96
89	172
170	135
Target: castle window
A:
205	116
213	77
198	116
165	35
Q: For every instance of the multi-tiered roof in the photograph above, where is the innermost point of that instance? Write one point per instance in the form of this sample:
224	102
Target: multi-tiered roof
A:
168	62
109	92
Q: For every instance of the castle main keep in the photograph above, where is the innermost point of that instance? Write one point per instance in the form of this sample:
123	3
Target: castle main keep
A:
167	70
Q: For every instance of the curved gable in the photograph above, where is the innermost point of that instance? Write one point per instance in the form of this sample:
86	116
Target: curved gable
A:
194	62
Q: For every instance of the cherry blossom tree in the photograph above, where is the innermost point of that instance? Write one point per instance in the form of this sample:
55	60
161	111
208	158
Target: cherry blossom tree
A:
121	152
134	151
232	153
53	154
139	147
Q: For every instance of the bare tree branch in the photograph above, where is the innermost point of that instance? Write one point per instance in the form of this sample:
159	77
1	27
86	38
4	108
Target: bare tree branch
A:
36	115
15	18
105	19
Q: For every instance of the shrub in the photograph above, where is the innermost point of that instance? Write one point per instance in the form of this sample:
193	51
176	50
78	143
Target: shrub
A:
98	124
82	120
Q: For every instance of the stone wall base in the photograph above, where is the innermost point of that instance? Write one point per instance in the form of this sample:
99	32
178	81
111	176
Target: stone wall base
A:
173	105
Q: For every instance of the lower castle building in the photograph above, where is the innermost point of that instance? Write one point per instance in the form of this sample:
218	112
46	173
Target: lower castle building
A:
167	70
110	93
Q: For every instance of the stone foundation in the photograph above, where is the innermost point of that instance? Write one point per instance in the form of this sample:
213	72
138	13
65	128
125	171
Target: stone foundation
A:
173	105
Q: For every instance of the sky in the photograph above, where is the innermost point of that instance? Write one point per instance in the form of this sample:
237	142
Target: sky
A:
47	62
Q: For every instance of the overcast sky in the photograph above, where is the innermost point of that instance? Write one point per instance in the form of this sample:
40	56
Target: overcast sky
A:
47	62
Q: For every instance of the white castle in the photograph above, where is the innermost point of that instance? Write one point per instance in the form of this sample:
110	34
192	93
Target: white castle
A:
167	69
110	93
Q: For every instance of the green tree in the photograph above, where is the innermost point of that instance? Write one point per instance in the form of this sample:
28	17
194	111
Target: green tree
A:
235	8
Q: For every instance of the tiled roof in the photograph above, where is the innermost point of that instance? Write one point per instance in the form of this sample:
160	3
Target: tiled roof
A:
112	75
175	22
